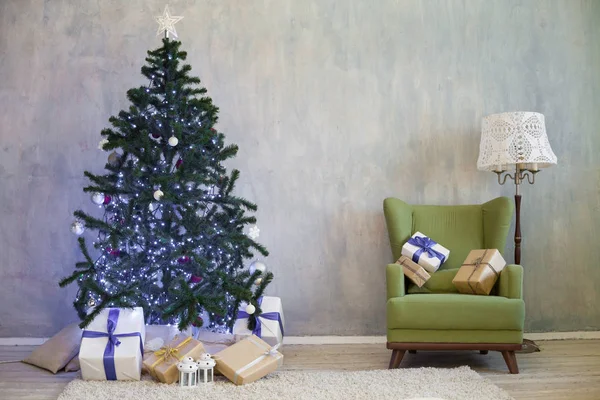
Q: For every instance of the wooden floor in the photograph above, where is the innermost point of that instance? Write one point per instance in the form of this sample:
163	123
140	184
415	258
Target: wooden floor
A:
567	369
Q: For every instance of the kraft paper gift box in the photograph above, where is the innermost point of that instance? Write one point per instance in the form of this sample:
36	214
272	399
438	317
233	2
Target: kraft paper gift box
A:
112	345
425	252
248	360
413	271
269	323
162	364
479	272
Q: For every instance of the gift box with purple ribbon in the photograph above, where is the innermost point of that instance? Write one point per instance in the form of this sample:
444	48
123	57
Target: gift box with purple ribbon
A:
269	322
425	252
112	345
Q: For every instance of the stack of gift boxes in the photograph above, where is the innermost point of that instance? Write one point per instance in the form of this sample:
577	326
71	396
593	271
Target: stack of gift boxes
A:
112	348
422	257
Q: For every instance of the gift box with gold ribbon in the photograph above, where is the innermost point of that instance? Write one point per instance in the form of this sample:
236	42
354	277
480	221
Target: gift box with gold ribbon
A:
162	364
248	360
479	272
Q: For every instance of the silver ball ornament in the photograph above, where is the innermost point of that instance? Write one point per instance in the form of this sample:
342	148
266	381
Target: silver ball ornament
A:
113	159
98	198
258	281
258	266
77	228
158	195
250	309
173	141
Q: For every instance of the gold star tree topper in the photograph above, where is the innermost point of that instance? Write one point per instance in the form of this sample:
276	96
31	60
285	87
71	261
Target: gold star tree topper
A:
166	23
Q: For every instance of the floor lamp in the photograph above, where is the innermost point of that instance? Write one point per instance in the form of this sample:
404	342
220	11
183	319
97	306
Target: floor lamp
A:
515	145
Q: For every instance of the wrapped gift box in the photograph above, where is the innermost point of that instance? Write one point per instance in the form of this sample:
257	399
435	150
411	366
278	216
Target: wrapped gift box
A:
162	364
479	272
413	271
112	345
248	360
425	252
269	324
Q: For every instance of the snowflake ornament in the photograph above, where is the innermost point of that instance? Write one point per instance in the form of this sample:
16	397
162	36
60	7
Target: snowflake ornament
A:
253	232
102	143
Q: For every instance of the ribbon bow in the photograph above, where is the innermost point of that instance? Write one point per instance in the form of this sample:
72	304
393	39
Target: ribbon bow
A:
113	341
272	316
425	245
167	352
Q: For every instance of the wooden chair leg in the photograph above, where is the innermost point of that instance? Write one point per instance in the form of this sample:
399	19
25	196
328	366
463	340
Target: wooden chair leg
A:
397	356
511	361
412	352
483	352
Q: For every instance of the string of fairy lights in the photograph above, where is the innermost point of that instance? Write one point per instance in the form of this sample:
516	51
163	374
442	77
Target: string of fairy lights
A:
155	257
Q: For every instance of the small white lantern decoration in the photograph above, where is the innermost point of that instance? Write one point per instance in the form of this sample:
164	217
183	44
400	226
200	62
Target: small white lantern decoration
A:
205	368
188	373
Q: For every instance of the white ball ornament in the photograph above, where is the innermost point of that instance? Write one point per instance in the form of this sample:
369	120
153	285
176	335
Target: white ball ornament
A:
258	266
158	195
258	281
77	228
173	141
250	309
97	198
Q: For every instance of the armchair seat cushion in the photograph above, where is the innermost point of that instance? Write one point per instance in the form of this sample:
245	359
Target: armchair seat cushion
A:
455	312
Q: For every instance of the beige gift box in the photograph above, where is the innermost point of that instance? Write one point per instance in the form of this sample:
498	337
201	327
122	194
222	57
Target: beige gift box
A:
162	364
248	360
479	272
413	271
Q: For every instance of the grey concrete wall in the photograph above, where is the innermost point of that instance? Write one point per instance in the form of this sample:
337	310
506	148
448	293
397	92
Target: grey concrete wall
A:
335	105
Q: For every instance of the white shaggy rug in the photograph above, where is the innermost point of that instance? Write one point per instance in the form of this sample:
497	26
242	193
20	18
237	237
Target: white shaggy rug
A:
432	383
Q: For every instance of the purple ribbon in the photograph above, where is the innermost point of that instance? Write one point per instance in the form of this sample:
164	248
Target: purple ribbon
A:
113	341
272	316
425	245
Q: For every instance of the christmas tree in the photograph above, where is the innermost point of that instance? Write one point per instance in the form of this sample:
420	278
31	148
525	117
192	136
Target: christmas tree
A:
171	238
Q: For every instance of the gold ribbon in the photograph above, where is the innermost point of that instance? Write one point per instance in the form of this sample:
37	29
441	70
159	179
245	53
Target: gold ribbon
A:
167	352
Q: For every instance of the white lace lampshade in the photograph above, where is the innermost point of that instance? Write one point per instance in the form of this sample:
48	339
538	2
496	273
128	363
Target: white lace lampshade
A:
514	138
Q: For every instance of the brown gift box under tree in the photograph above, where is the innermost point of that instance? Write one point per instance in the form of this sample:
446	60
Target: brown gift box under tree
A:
479	272
413	271
248	360
162	364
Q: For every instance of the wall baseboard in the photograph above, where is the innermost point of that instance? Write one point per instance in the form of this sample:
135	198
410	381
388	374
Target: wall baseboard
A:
581	335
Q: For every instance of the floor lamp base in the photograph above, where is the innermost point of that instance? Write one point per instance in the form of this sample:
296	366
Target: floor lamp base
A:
529	346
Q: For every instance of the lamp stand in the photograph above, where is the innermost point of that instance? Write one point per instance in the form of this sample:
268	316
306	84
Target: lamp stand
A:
520	174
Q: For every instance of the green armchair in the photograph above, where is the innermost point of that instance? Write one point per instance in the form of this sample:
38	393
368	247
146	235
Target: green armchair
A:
436	316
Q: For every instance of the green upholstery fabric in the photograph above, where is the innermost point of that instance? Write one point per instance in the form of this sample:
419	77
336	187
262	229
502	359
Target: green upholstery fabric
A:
435	313
459	229
452	310
453	336
440	282
510	283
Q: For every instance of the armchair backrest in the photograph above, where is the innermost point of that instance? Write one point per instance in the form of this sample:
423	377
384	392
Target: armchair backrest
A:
458	228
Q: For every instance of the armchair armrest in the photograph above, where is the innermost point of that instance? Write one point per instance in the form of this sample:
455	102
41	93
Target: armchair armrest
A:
511	282
394	276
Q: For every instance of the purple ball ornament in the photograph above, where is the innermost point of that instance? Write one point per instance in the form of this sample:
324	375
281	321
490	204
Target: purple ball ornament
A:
107	199
183	260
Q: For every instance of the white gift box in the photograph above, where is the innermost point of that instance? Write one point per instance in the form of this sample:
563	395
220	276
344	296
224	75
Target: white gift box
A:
271	322
428	262
127	356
